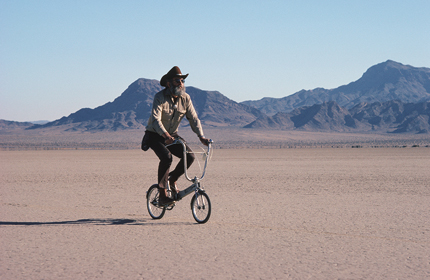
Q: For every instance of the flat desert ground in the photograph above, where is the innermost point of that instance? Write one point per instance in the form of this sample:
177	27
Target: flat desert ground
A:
310	213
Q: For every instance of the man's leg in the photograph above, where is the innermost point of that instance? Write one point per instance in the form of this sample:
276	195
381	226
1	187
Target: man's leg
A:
179	170
163	167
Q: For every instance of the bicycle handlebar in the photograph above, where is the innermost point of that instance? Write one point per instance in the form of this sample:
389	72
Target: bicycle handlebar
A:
180	141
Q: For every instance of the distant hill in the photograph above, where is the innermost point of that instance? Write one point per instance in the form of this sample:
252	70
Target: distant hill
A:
215	109
129	110
132	109
390	116
4	124
383	82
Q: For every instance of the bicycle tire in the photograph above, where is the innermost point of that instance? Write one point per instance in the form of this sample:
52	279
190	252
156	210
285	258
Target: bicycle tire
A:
201	207
155	211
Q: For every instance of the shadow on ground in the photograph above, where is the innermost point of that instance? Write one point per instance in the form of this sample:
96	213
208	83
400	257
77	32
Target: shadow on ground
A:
77	222
91	222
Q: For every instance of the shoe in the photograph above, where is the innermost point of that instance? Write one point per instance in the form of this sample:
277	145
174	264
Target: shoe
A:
165	201
174	187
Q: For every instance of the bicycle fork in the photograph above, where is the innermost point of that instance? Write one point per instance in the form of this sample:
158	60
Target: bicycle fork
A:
200	202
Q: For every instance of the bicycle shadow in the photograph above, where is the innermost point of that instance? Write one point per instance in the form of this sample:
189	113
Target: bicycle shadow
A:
99	222
77	222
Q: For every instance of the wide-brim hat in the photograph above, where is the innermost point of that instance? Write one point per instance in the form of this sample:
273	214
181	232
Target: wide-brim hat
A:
175	72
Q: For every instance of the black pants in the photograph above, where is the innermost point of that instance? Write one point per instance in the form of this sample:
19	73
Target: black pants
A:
156	143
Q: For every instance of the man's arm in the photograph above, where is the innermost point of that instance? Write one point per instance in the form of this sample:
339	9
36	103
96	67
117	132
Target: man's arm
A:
193	119
195	124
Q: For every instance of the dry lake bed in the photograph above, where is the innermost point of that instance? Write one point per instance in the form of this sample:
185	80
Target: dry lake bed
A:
321	213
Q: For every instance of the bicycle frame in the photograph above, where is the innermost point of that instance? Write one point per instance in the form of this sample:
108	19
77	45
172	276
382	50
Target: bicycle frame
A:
196	181
200	202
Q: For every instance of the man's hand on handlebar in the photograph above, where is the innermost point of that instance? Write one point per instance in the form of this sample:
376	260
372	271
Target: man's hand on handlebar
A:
204	140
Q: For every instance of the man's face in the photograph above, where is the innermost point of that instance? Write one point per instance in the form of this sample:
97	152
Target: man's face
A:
177	87
178	82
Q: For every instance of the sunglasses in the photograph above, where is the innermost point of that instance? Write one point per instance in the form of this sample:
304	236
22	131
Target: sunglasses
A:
179	81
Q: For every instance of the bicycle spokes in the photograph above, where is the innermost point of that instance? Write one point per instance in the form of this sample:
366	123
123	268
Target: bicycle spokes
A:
201	207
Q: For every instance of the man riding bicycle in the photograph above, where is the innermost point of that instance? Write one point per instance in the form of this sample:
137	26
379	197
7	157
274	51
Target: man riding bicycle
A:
169	107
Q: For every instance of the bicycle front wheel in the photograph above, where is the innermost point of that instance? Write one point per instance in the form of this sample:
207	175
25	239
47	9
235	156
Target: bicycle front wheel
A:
155	211
201	207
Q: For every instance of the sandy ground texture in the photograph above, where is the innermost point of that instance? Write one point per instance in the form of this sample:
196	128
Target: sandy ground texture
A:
276	214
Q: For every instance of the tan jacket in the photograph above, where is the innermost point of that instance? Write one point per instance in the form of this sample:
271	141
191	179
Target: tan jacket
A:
166	118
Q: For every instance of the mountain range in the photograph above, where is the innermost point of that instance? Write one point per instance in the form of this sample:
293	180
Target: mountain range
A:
386	81
390	116
389	97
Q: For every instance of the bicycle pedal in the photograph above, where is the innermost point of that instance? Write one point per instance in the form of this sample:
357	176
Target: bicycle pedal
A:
170	206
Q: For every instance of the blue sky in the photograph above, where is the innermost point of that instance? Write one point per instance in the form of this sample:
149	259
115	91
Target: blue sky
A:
57	57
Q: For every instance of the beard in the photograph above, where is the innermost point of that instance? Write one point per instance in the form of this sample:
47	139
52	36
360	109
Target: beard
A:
177	91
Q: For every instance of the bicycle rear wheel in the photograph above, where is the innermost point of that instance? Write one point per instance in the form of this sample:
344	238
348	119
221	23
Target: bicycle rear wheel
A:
155	211
201	207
